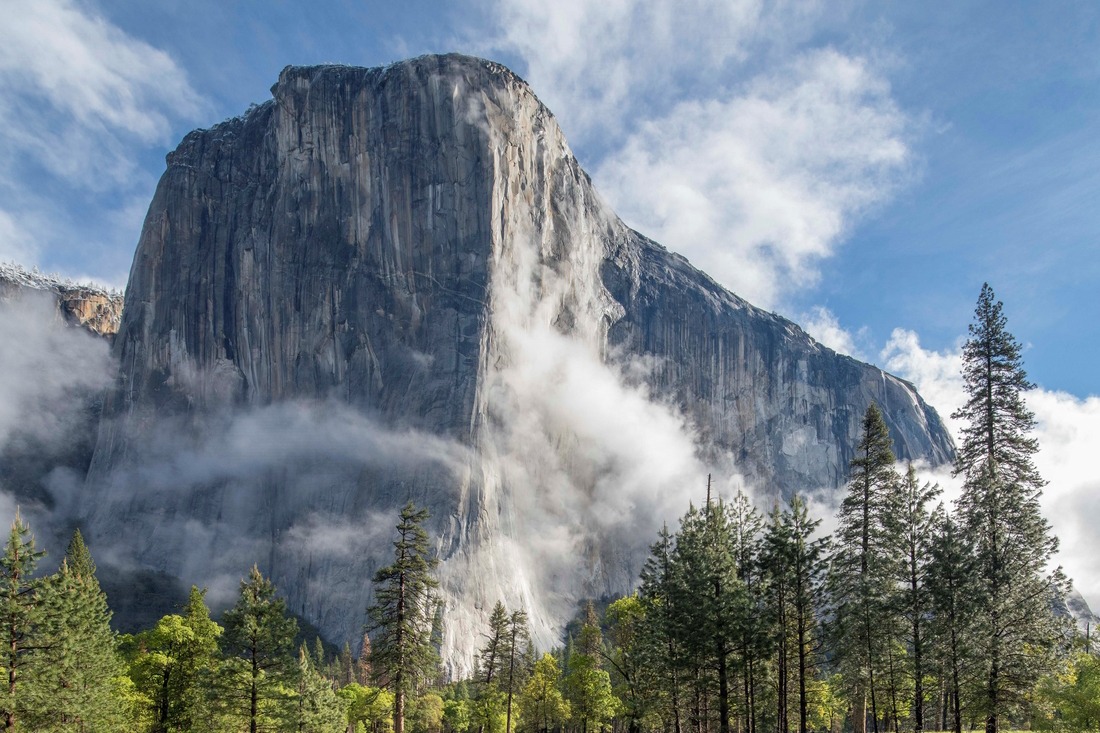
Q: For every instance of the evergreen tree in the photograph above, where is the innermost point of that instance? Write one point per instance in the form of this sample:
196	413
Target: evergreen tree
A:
746	527
346	666
403	611
78	690
710	598
999	507
317	708
21	618
863	568
259	640
952	585
493	656
793	563
513	676
914	534
660	643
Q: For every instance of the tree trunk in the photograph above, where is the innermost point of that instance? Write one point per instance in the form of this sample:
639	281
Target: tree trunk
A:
859	712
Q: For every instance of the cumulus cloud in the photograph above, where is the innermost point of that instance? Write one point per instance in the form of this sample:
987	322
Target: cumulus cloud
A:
755	180
758	187
824	326
597	64
1068	431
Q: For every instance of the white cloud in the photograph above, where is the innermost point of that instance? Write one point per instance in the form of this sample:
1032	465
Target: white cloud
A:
743	146
74	88
937	375
823	325
80	101
1068	431
596	64
47	367
755	189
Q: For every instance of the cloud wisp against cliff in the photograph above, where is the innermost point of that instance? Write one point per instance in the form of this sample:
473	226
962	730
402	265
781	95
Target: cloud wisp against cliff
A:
752	150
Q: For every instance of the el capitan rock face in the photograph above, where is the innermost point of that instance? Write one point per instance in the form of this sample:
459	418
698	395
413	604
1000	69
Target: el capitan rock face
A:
397	283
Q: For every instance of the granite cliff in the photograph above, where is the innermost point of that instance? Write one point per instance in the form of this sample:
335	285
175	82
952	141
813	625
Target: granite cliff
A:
398	283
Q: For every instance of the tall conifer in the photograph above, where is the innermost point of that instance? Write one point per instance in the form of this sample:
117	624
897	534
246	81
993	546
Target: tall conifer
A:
21	617
259	639
863	568
403	611
999	507
78	691
914	531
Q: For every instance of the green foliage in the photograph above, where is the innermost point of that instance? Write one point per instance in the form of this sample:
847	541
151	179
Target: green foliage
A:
426	714
172	664
78	690
404	608
1069	700
255	683
24	646
588	686
317	709
864	567
1018	634
541	704
456	716
371	707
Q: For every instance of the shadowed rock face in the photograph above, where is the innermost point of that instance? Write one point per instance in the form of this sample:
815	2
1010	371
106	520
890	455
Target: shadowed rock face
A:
397	283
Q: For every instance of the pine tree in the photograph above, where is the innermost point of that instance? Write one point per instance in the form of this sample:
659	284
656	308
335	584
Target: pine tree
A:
952	586
259	639
914	535
794	565
78	691
710	599
403	611
863	568
317	708
513	676
660	647
492	657
21	616
999	507
746	527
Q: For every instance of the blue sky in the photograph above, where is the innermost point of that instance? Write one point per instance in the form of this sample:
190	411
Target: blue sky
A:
859	167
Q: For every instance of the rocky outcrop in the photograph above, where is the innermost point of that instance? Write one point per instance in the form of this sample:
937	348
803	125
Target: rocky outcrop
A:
398	283
94	308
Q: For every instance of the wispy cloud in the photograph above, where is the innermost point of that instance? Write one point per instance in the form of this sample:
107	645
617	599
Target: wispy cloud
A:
79	100
74	86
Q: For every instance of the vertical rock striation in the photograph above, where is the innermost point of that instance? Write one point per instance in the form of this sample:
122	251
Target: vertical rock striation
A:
398	283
